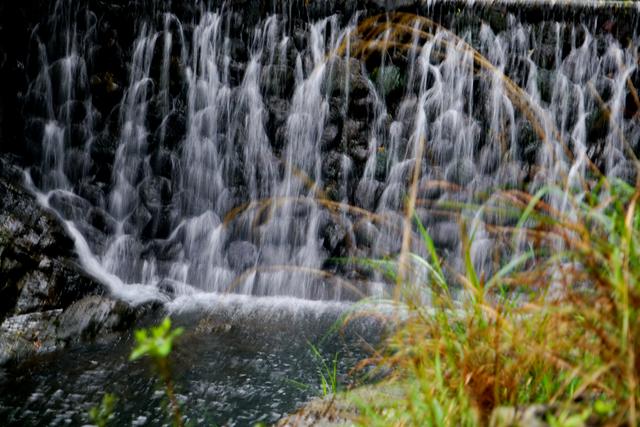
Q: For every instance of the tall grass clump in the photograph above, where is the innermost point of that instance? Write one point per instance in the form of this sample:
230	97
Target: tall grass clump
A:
556	325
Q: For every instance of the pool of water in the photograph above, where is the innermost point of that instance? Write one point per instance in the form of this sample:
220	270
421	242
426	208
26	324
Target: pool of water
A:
236	367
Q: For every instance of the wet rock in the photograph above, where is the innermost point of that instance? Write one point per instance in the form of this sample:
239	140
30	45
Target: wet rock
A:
163	163
366	233
381	164
93	193
275	255
173	129
27	335
597	123
335	166
445	234
163	249
334	239
237	48
211	325
69	205
173	288
96	316
124	258
162	224
354	135
360	154
102	221
489	159
74	112
278	109
155	192
236	72
280	140
430	189
138	220
329	137
546	82
38	266
347	75
277	80
40	275
34	289
299	39
36	104
511	174
362	108
242	255
51	283
368	193
460	172
96	239
102	153
441	150
107	90
93	318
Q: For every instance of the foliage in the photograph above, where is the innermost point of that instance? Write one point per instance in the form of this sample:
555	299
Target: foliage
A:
101	415
557	325
327	372
157	343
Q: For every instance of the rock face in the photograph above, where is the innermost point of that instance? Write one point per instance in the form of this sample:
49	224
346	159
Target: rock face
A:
38	266
46	300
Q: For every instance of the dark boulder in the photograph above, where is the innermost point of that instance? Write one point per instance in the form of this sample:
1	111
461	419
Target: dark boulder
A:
242	255
39	269
70	206
95	316
47	300
277	80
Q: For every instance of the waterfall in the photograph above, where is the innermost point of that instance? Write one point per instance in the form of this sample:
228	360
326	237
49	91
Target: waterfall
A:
194	149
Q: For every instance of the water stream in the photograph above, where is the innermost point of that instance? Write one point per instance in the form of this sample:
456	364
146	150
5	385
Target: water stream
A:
234	158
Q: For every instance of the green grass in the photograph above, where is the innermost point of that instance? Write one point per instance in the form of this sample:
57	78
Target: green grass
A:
508	340
102	414
327	371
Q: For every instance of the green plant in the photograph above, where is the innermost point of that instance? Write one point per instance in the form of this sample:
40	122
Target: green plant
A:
507	341
568	419
157	343
101	414
327	372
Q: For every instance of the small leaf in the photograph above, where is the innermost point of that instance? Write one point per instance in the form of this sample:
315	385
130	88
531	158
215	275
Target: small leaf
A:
138	352
604	407
141	335
164	348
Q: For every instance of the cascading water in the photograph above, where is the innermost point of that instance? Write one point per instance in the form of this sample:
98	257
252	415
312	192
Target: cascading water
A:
228	158
267	150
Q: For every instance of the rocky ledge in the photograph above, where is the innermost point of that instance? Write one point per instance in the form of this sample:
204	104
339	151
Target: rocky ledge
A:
47	301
